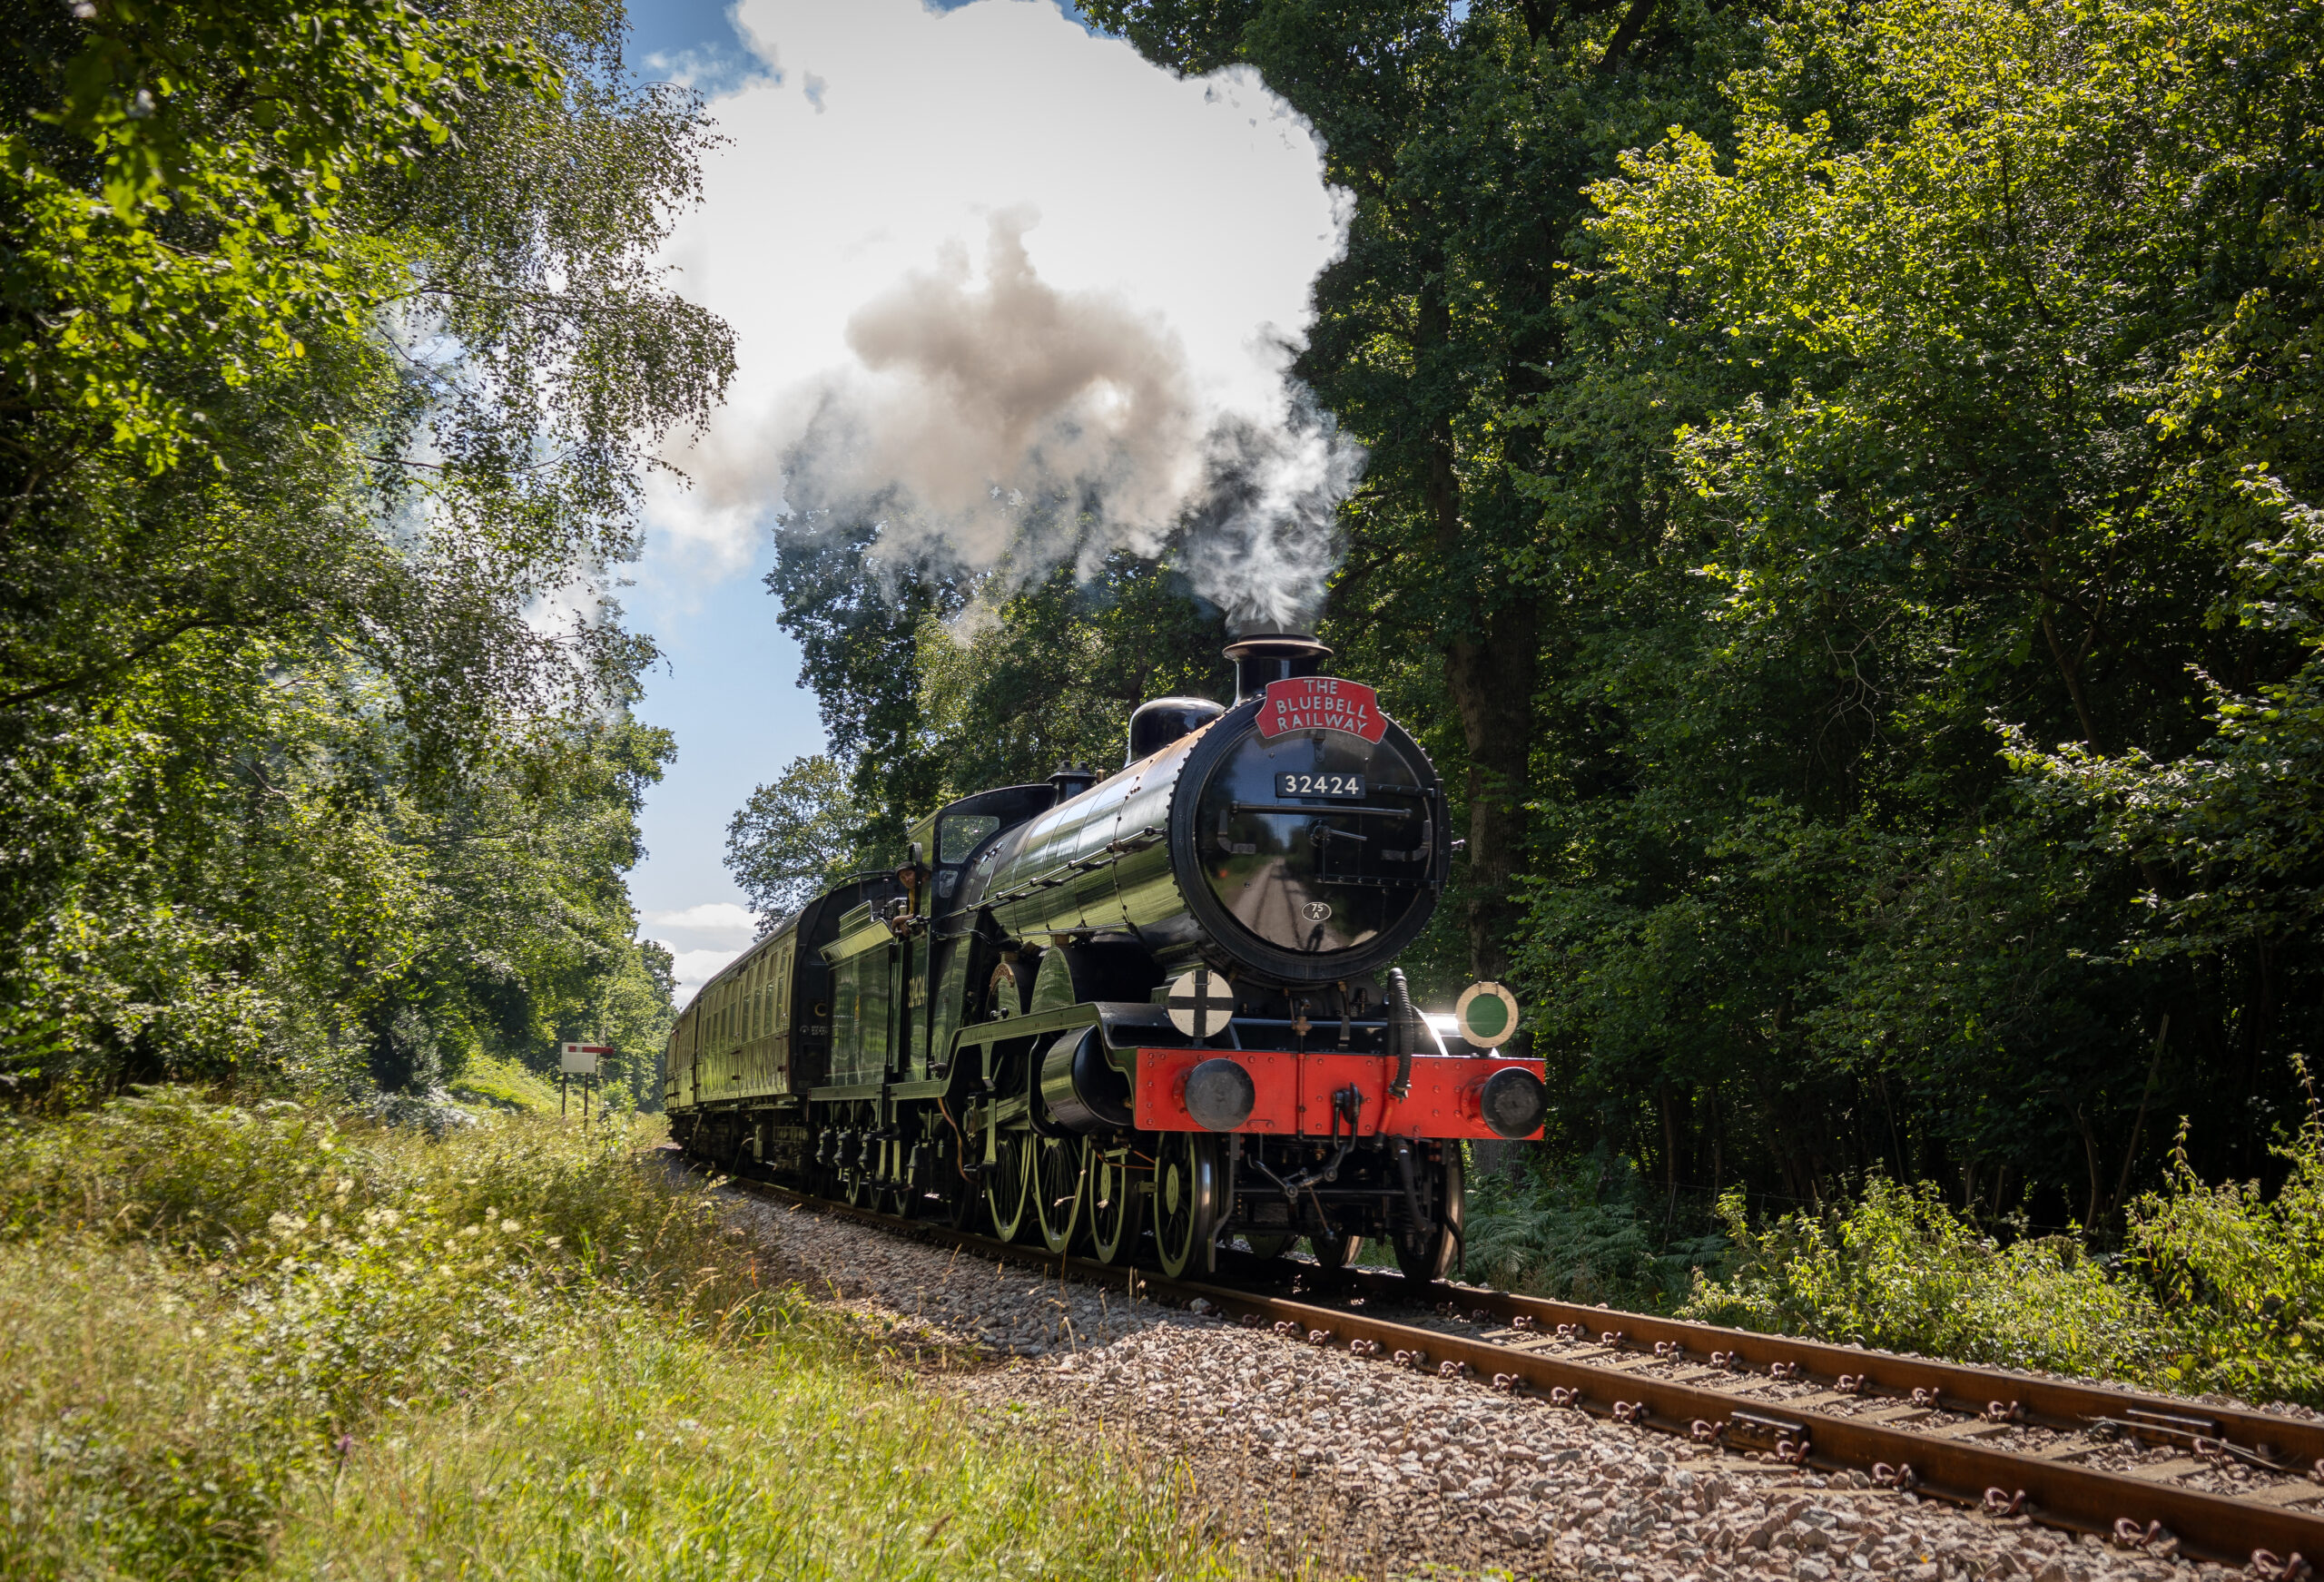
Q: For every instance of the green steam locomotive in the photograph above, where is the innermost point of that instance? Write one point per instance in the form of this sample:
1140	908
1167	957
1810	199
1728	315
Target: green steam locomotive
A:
1160	1003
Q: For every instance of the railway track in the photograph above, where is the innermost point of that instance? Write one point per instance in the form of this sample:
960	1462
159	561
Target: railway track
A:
2155	1473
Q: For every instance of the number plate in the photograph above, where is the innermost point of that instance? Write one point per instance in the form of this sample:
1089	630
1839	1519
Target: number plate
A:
1319	785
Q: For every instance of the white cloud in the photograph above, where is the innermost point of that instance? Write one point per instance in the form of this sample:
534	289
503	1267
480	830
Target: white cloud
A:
1190	215
701	940
714	917
693	968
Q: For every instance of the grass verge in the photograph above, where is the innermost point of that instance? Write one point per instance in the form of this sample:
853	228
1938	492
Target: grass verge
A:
264	1340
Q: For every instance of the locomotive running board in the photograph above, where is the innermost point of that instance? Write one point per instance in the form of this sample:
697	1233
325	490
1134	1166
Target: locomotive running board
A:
1124	1017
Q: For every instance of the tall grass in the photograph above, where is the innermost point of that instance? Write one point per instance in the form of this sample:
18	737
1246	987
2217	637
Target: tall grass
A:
250	1339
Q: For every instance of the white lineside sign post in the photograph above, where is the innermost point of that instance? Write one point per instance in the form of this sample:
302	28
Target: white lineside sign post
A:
578	1060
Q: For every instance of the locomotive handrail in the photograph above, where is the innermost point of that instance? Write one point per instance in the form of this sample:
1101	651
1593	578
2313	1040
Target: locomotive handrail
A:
1050	878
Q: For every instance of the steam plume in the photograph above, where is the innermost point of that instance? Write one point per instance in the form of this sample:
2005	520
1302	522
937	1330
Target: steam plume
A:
1002	424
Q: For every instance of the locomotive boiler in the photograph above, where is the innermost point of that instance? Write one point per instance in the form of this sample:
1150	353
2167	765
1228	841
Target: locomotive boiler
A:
1157	1005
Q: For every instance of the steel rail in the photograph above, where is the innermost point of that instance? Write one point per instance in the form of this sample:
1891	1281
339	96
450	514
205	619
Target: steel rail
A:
1965	1471
2290	1446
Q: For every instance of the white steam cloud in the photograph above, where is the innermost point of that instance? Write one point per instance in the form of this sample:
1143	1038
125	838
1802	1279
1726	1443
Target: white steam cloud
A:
1019	297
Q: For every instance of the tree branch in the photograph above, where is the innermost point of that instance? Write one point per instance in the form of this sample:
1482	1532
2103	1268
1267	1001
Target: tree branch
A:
1634	21
96	673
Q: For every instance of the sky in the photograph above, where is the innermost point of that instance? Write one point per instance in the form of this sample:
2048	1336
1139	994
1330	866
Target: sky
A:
883	158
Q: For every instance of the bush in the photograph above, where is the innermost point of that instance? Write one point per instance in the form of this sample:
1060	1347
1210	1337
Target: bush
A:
2241	1275
1901	1272
2219	1287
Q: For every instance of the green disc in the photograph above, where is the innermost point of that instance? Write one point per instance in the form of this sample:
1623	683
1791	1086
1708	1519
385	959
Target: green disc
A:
1488	1014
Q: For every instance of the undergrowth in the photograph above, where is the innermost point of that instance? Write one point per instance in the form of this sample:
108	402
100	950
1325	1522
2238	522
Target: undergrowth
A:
265	1338
1901	1272
2215	1287
505	1085
1587	1230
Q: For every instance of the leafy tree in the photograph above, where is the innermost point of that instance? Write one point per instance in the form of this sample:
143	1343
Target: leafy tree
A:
938	684
795	838
332	346
1865	536
1466	143
1923	342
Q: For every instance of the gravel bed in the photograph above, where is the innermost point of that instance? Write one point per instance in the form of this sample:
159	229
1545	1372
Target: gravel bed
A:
1317	1461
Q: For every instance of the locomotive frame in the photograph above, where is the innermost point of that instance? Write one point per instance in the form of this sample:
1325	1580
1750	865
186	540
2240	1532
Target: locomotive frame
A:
986	1033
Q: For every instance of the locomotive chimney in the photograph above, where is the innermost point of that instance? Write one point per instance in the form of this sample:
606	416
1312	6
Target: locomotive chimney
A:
1260	657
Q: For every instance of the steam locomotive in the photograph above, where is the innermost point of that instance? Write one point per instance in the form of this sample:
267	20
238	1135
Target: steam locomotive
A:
1157	1004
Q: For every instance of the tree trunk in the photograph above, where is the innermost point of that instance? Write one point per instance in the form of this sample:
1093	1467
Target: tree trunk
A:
1490	681
1489	675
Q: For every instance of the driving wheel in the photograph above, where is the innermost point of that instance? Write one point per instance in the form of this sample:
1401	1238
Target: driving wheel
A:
1057	1190
1115	1198
1006	1196
1185	1203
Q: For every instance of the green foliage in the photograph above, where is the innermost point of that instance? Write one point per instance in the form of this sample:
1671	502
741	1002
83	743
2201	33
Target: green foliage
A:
2220	1287
1904	334
204	1298
334	343
795	837
504	1085
1593	1231
277	1340
1901	1272
935	686
1015	689
2241	1275
656	1456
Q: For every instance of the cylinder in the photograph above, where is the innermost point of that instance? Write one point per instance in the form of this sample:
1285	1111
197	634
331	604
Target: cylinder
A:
1080	1089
